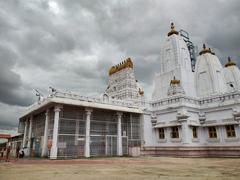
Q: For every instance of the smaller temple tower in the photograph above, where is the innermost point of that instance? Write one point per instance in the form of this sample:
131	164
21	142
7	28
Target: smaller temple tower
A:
209	75
122	84
232	75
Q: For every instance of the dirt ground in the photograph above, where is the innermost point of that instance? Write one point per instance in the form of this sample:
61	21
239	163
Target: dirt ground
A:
121	168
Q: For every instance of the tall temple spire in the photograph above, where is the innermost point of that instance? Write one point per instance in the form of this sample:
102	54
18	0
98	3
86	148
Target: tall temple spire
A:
175	60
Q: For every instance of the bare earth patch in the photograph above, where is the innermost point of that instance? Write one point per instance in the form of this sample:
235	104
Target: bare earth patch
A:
122	168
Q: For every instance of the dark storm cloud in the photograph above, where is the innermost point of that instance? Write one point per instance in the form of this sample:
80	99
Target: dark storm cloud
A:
9	116
71	44
12	90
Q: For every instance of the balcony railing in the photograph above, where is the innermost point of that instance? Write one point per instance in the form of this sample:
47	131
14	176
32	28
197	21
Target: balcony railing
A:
196	101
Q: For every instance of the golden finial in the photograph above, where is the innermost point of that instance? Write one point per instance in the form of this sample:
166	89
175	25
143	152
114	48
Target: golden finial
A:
204	46
205	50
174	81
141	92
173	31
230	62
127	63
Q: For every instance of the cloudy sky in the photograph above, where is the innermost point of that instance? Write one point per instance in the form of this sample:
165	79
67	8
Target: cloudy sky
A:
70	44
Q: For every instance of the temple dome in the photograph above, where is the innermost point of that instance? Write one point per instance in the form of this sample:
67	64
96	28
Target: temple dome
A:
232	75
209	74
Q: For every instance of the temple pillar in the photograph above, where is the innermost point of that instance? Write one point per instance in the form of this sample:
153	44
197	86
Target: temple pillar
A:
25	134
87	133
29	136
76	132
182	117
119	134
45	138
186	135
54	148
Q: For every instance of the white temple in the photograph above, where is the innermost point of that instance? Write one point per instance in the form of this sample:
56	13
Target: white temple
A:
198	113
190	113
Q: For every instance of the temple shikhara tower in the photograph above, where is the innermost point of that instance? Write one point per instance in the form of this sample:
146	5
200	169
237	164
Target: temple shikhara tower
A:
122	84
192	111
175	62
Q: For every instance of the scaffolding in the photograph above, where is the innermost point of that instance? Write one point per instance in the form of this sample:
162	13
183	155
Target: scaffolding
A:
191	47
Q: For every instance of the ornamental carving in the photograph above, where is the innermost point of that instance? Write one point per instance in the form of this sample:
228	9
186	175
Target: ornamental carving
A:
124	64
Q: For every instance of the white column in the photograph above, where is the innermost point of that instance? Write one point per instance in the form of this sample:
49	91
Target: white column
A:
186	135
119	134
54	148
29	135
45	138
131	125
76	132
25	134
87	134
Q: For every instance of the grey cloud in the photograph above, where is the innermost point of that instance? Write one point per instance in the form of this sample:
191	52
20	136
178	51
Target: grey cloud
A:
9	116
11	87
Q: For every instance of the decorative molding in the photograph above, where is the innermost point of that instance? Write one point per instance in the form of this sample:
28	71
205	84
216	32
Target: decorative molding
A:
210	121
202	117
227	120
173	122
176	140
182	115
235	139
119	114
201	102
58	108
88	111
213	140
162	140
195	140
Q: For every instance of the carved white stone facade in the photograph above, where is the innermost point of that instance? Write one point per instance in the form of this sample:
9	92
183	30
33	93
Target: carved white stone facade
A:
122	84
201	107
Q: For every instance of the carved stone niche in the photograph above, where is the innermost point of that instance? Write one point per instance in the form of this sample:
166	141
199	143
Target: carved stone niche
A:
175	90
202	117
182	115
105	98
154	120
236	115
